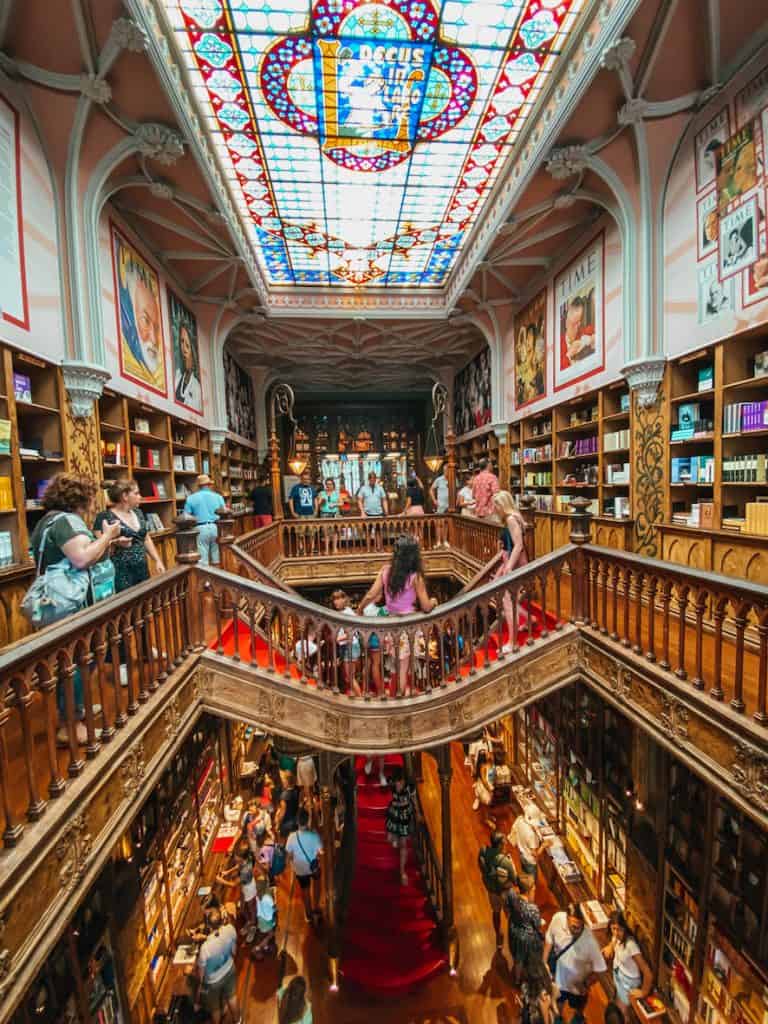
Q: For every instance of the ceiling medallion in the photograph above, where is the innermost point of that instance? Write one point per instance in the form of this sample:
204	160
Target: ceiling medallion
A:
362	138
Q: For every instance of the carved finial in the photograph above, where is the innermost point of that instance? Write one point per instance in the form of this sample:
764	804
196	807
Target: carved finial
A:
644	377
84	383
567	161
564	201
96	89
128	35
618	53
161	189
159	142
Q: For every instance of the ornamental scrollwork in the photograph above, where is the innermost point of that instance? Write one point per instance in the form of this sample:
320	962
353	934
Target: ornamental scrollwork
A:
749	772
73	851
648	477
132	771
400	729
674	718
336	727
171	718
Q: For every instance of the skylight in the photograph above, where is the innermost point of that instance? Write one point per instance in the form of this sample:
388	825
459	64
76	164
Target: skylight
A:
362	139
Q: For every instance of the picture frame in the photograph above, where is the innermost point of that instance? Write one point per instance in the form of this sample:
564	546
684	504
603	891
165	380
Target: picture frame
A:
579	316
530	351
705	144
185	355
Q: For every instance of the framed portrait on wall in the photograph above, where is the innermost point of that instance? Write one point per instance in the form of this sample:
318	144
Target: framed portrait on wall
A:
738	239
580	317
185	353
14	304
755	281
472	394
530	351
736	164
715	298
752	99
708	227
705	146
140	341
240	398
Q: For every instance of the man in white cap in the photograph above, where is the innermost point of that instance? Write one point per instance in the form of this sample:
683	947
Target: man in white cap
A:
203	505
525	836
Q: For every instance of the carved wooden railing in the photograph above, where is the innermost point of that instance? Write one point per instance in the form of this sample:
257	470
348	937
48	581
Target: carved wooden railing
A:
117	654
475	537
383	657
429	862
262	546
358	535
708	630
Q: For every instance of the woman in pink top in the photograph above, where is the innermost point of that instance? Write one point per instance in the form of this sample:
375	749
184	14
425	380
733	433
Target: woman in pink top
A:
401	584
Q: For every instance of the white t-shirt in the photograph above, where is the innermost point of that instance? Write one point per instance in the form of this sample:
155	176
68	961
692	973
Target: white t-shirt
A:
466	499
215	958
301	855
265	907
440	490
524	836
624	954
582	959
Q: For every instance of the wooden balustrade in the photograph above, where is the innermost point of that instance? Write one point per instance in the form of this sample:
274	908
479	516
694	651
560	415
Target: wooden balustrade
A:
475	537
262	545
359	535
68	690
384	657
431	870
710	631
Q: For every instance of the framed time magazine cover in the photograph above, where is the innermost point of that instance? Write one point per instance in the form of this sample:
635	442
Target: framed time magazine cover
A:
530	351
579	349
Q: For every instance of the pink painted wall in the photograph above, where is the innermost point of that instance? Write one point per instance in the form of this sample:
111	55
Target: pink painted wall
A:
109	314
614	353
43	334
691	268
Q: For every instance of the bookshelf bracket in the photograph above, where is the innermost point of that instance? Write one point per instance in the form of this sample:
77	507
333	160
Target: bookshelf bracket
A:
644	377
84	383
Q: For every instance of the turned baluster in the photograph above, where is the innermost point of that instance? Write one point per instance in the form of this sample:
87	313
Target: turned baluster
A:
653	586
469	644
740	623
500	624
761	714
699	608
176	623
100	651
252	633
615	577
47	687
13	828
625	641
270	642
666	601
558	602
170	647
604	576
235	629
594	574
218	599
24	702
67	672
130	658
720	605
637	646
457	652
441	653
285	640
542	581
85	666
682	607
149	645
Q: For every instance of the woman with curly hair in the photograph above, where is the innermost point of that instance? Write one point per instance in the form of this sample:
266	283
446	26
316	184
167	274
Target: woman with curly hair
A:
293	1005
402	586
61	534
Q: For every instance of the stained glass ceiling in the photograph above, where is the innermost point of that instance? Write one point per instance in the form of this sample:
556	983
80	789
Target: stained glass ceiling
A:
362	139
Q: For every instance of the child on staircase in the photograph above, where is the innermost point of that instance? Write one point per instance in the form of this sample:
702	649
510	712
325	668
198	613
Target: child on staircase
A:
402	815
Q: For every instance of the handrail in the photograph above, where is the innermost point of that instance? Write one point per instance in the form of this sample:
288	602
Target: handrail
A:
429	862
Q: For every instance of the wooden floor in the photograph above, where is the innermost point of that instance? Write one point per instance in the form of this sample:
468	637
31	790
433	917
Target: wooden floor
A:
481	993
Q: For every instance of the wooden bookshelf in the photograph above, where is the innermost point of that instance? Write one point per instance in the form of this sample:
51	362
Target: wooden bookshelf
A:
240	464
537	448
481	444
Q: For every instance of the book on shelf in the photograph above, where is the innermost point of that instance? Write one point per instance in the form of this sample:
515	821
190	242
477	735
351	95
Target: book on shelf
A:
760	364
22	387
6	548
615	440
140	425
5	437
705	378
578	446
160	489
745	468
178	462
756	515
189	465
154	522
734	524
40	488
112	453
745	416
625	402
694	469
28	452
6	494
580	417
617	473
650	1007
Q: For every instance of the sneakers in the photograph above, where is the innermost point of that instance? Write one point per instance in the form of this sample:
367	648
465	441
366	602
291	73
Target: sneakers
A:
507	649
383	781
81	735
368	766
475	804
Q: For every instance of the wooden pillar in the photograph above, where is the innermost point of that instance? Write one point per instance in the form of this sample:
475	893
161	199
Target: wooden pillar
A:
444	771
325	778
225	528
450	467
187	553
501	430
527	506
649	435
275	476
580	530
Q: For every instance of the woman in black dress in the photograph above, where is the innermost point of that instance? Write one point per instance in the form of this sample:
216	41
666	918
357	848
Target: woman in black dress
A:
401	815
134	543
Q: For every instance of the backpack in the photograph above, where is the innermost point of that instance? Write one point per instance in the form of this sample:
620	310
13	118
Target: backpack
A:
495	875
279	860
56	593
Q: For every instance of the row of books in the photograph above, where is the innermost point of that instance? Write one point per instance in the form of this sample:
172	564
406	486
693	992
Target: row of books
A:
543	479
112	453
579	446
540	429
541	454
564	504
617	507
745	416
756	517
542	502
22	387
183	463
6	549
586	474
147	458
694	469
616	440
581	416
618	473
691	422
745	469
701	513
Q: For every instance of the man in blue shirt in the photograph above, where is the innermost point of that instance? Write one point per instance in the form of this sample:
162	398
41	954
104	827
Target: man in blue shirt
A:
301	500
203	505
372	502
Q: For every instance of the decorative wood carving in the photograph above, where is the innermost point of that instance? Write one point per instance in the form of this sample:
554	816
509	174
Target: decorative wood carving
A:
171	718
73	851
750	774
648	427
83	443
674	718
133	770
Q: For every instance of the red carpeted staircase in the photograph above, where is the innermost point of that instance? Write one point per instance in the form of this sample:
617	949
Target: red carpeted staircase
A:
391	940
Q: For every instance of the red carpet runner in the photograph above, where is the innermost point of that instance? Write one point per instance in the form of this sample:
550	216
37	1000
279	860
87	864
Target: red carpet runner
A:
391	941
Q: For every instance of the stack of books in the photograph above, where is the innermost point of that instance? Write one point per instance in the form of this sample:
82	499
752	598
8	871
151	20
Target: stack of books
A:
748	469
580	446
694	469
617	473
616	440
757	518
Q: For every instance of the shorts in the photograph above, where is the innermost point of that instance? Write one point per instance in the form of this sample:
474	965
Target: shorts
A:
215	997
403	645
624	986
529	869
306	773
304	881
575	1002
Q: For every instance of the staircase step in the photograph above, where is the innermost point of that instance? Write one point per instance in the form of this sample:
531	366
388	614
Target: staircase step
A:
370	976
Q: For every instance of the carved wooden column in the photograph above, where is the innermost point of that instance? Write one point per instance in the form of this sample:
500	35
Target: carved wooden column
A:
187	553
444	772
325	778
275	475
527	506
580	529
225	529
649	435
501	430
450	467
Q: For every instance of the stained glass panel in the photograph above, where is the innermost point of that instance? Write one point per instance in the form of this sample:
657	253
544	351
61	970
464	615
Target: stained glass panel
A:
361	138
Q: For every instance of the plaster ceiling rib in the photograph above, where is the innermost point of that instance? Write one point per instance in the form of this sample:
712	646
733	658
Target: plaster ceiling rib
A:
209	278
195	254
179	229
84	36
6	7
652	49
515	246
525	261
713	41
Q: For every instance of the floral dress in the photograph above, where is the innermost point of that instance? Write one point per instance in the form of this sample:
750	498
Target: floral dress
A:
400	813
524	928
130	563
